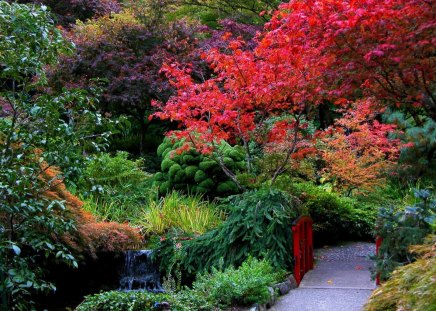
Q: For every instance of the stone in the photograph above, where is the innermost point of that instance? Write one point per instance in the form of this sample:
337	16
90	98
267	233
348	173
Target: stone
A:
293	282
273	297
284	287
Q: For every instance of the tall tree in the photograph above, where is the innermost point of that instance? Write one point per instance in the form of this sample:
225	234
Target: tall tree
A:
129	55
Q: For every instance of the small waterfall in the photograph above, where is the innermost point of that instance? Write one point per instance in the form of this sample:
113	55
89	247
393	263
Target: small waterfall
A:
140	272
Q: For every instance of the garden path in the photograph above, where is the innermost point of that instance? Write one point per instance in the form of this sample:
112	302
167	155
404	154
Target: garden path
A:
340	281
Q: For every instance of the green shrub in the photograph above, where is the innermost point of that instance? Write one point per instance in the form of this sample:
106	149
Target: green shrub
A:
335	217
127	301
243	286
411	287
115	188
195	173
211	291
106	173
188	213
259	223
401	228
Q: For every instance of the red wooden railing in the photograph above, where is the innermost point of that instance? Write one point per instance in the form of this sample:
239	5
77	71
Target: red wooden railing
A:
303	246
378	242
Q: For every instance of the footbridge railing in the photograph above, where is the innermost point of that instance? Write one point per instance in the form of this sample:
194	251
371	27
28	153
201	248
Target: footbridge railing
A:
303	246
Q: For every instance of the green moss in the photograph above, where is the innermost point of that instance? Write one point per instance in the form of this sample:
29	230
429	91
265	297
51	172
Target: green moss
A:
207	165
166	151
206	184
161	149
200	176
166	164
188	159
240	165
190	171
227	187
228	162
236	155
180	177
173	170
159	176
201	190
186	170
164	187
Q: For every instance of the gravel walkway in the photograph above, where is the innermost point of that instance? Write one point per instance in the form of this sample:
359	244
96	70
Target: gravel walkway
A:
340	281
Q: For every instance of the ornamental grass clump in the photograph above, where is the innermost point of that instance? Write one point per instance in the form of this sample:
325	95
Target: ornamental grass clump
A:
189	213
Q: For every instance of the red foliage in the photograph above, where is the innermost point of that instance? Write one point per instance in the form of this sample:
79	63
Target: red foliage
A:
312	52
335	49
91	236
357	151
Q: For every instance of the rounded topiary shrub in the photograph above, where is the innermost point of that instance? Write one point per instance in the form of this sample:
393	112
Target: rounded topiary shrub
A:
193	172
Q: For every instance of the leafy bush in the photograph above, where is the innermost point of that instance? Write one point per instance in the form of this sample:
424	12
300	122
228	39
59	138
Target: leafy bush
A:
243	286
194	172
108	174
188	213
115	188
33	133
401	228
335	217
211	291
259	224
90	236
411	287
123	301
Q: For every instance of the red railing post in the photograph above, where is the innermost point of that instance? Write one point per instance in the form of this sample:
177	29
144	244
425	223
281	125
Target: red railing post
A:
296	238
378	242
303	247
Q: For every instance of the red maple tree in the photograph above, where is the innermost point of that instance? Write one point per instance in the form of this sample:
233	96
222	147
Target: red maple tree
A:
357	150
311	53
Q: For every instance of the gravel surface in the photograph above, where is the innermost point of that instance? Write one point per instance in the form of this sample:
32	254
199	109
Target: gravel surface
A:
349	251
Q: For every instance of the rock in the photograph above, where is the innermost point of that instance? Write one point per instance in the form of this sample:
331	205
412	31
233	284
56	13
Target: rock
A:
273	297
283	287
257	307
293	282
162	306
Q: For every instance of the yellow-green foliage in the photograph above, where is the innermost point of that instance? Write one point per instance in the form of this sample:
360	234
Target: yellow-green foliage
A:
188	213
107	28
196	173
411	287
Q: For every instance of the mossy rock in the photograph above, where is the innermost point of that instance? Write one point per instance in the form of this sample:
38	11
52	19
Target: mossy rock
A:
179	186
201	190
